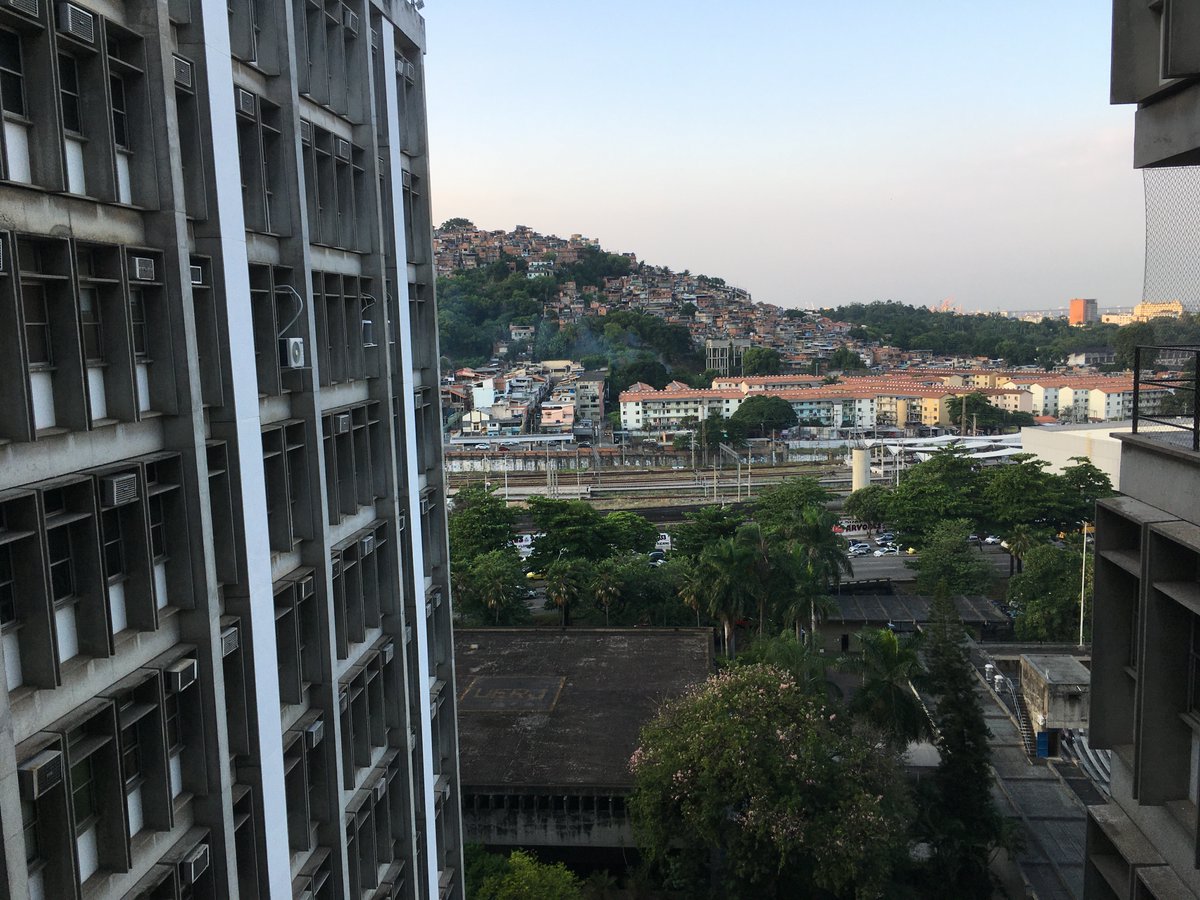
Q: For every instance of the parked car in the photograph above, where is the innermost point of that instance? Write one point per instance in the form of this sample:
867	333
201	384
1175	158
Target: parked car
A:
885	536
991	539
482	447
887	551
972	539
857	551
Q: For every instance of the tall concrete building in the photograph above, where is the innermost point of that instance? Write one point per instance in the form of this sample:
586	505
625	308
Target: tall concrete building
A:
1083	311
1144	843
224	610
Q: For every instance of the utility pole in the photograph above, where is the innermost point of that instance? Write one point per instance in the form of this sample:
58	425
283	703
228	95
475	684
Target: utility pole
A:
1082	579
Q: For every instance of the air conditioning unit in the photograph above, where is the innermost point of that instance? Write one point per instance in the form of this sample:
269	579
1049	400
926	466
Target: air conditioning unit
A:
387	652
412	740
313	734
343	700
408	634
143	268
197	274
230	640
350	20
410	71
375	38
367	544
117	490
38	775
307	587
180	675
437	597
291	353
406	178
380	789
183	72
245	101
77	22
424	506
368	333
194	865
29	7
305	131
401	522
341	423
343	148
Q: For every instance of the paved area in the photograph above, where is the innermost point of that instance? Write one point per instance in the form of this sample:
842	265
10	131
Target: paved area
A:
1053	817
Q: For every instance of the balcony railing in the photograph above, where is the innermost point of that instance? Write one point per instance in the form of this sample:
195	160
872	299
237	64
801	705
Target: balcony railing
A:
1175	418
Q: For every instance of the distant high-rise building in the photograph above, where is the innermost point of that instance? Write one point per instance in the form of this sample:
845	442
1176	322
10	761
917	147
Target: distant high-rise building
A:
1083	311
224	609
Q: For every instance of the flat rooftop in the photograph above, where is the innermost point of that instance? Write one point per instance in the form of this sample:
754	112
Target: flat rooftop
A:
1058	668
562	708
974	609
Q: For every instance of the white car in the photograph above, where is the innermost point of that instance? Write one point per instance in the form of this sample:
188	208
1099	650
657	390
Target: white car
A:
991	539
483	447
888	551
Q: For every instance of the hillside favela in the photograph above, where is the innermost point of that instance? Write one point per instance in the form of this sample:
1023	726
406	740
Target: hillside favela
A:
346	555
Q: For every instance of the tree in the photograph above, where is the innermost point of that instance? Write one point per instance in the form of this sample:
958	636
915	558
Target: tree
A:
796	800
870	504
945	486
948	561
844	358
1129	338
605	587
1046	594
629	532
781	502
725	564
886	698
566	580
761	361
491	589
762	414
763	573
457	224
1085	485
479	522
1023	492
1021	539
785	651
817	557
704	526
524	878
569	528
960	821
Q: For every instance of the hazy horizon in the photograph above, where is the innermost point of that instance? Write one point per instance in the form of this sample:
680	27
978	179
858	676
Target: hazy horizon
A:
815	156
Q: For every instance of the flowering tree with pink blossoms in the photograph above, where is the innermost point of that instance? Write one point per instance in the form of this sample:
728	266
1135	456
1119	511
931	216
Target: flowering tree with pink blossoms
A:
750	787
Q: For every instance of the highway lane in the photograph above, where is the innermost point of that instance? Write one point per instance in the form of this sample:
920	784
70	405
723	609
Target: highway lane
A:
893	567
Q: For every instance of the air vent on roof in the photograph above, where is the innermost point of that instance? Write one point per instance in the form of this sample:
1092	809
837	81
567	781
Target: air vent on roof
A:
143	268
183	72
117	490
245	101
343	148
39	774
77	22
194	865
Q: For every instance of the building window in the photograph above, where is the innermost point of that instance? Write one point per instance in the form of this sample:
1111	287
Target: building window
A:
29	824
158	528
131	757
8	594
89	323
1194	667
137	316
12	74
68	78
119	111
62	570
174	732
114	549
83	795
37	325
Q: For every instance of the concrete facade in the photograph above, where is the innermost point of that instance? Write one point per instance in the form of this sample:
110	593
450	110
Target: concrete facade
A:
224	596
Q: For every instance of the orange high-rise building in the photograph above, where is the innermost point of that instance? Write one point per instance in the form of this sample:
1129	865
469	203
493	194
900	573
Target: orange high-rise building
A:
1083	311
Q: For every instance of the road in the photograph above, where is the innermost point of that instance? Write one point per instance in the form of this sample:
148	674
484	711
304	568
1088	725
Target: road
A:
893	566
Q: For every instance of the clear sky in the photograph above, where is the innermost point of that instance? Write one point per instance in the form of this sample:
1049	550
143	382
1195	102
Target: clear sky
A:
813	153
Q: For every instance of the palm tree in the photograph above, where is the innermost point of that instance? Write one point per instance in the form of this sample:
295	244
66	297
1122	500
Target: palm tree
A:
818	553
762	569
1020	541
563	586
788	653
694	589
606	589
725	564
889	667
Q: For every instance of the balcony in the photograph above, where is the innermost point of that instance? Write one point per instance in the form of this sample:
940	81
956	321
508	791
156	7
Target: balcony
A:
1175	418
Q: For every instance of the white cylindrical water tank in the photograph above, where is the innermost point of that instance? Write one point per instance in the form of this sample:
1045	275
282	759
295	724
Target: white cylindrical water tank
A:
860	469
999	682
989	670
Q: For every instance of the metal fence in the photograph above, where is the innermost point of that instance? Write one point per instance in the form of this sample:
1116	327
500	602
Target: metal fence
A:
1174	418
